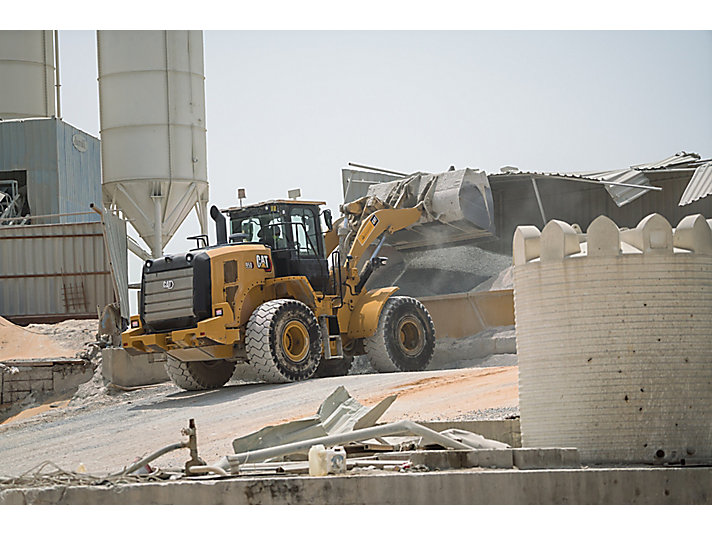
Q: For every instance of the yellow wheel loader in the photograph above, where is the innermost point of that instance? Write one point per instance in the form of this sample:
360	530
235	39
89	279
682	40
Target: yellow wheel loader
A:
266	295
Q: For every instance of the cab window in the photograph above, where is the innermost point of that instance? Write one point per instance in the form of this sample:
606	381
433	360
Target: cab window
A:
305	231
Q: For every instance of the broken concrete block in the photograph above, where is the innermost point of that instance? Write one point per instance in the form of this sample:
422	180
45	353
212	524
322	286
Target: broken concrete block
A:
693	233
558	240
604	237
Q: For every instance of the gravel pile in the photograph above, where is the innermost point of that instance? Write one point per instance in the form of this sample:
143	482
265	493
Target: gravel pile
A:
442	271
495	347
506	412
71	334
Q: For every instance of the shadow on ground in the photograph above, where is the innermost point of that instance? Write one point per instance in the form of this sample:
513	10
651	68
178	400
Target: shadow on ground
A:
185	399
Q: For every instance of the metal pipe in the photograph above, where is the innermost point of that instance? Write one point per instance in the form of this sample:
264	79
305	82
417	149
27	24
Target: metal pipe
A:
157	246
538	200
377	169
56	72
206	469
233	461
33	217
134	247
143	461
603	182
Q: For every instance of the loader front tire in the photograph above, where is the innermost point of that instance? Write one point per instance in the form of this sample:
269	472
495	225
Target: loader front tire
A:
195	375
404	339
283	341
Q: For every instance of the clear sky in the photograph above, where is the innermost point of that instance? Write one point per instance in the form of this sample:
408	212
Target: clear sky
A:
290	109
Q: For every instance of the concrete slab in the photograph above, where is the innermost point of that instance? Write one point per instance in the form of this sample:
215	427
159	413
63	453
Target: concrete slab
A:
543	458
637	485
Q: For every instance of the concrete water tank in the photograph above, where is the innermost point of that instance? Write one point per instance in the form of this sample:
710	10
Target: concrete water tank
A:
614	339
27	87
153	134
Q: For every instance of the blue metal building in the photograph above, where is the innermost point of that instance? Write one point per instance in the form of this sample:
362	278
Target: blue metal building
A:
57	167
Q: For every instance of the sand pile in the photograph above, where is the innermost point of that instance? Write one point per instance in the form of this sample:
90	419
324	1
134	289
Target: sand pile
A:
17	343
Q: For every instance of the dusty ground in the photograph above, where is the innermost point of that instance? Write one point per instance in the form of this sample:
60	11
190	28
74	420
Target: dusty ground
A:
106	428
114	429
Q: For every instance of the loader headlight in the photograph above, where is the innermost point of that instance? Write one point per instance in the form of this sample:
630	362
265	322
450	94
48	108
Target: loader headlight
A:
218	312
149	263
134	323
188	257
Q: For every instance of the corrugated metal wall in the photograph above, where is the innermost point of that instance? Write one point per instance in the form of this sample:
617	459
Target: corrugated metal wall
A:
51	272
515	204
79	171
63	166
31	145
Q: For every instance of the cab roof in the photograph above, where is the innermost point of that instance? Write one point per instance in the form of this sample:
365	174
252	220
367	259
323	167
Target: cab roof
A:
271	202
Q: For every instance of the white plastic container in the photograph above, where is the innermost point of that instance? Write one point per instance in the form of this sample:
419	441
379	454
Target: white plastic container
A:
336	460
323	461
317	461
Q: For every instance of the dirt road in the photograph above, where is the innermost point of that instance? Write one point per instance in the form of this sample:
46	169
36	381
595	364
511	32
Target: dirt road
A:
114	431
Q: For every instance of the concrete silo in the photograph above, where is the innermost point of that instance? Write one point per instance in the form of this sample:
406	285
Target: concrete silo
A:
153	136
27	74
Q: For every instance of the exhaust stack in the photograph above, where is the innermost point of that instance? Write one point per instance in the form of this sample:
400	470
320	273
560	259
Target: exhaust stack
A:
220	225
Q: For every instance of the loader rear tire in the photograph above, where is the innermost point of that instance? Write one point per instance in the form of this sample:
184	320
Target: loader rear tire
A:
404	339
195	376
283	341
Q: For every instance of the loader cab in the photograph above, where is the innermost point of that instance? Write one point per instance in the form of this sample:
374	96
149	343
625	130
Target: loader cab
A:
292	229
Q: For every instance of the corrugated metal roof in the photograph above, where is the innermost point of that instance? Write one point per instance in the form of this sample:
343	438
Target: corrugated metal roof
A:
635	175
623	195
681	158
700	185
620	195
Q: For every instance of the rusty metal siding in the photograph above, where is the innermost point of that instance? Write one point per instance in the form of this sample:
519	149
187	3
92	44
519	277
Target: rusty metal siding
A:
53	271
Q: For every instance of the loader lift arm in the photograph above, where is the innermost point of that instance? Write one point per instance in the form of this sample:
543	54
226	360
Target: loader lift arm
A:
377	224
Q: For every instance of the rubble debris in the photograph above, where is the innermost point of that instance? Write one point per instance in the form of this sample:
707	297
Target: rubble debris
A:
341	420
72	334
339	413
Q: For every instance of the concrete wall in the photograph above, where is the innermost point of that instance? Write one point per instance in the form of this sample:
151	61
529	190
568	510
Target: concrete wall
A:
42	377
564	486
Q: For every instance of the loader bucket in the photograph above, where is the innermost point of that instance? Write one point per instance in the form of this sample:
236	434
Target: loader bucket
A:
458	208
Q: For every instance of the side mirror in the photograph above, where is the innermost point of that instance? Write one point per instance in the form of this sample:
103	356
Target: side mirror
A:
327	219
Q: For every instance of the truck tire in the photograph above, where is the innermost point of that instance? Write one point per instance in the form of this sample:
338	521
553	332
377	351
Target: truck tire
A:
336	367
194	376
283	341
404	339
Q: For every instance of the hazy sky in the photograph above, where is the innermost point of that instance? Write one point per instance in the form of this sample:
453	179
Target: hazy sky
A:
290	109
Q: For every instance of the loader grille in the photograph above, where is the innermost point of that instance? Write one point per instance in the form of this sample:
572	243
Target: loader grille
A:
175	292
168	295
